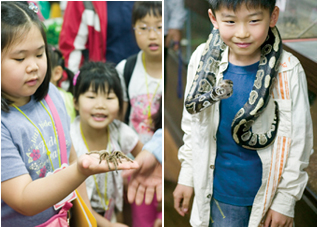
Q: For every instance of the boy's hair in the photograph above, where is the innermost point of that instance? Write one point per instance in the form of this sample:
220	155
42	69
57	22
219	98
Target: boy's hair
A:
141	9
17	20
215	5
57	59
101	77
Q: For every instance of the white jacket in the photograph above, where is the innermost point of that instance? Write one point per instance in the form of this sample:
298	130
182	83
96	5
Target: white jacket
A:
283	178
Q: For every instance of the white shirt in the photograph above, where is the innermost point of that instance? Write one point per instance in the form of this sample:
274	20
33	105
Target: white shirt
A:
143	90
283	178
122	138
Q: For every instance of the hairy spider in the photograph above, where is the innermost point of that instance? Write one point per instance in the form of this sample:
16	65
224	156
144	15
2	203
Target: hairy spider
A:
114	157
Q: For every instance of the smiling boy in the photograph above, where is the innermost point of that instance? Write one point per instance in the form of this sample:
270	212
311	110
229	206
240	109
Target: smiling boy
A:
237	185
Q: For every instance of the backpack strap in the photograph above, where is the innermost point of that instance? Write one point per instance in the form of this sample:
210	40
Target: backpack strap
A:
127	73
59	129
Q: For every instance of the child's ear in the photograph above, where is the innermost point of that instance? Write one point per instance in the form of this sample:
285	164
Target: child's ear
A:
274	16
57	74
212	18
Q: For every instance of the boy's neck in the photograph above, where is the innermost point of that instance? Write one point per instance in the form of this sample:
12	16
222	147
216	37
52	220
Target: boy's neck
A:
153	65
241	60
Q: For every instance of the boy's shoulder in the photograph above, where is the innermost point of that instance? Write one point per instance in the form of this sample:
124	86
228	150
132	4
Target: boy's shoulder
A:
288	61
197	52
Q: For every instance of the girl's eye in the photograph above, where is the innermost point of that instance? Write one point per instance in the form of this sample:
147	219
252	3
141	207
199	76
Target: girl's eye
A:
90	96
111	96
19	59
39	56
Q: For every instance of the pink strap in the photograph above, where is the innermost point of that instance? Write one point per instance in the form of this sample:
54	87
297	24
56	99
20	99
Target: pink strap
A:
59	128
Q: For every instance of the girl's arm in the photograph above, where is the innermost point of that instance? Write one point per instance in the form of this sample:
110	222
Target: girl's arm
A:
137	149
32	197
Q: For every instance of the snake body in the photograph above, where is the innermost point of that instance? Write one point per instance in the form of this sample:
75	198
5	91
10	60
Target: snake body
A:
205	90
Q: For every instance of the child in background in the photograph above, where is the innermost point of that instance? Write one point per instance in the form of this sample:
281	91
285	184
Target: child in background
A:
145	88
58	67
29	149
98	100
260	185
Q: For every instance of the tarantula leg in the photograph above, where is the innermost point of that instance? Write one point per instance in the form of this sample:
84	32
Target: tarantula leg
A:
93	152
108	164
101	157
120	155
115	162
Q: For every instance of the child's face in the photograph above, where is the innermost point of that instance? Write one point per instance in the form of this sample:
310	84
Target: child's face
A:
97	110
148	33
244	31
23	67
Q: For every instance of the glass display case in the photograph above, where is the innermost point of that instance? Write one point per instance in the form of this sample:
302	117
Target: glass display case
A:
297	19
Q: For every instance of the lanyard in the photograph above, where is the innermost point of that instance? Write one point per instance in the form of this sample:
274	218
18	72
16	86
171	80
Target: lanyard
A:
95	178
148	93
57	143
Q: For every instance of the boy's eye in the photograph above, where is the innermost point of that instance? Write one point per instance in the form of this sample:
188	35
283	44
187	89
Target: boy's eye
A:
230	22
143	28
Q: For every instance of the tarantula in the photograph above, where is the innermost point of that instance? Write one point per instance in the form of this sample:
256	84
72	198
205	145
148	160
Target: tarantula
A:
113	157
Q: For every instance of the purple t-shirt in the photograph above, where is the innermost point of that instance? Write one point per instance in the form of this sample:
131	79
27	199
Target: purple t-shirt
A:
23	150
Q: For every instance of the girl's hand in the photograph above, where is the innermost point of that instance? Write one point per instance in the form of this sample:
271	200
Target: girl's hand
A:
89	165
275	219
182	195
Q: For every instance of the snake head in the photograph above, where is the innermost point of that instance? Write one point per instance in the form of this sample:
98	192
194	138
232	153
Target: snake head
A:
223	90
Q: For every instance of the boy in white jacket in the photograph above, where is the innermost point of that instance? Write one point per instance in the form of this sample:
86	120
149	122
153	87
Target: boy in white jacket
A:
260	184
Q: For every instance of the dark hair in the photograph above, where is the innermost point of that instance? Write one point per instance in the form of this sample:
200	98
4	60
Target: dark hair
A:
215	5
101	76
17	20
57	59
157	117
141	9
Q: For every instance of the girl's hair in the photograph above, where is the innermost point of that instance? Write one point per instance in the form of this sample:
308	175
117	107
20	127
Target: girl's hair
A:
101	77
141	9
215	5
57	59
16	21
157	117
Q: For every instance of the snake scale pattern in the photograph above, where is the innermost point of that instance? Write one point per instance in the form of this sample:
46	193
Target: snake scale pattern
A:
206	90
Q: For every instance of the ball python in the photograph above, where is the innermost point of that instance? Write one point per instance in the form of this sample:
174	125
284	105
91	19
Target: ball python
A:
206	90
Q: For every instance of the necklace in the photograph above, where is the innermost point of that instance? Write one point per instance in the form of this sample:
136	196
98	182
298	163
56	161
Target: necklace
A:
48	152
105	202
149	115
